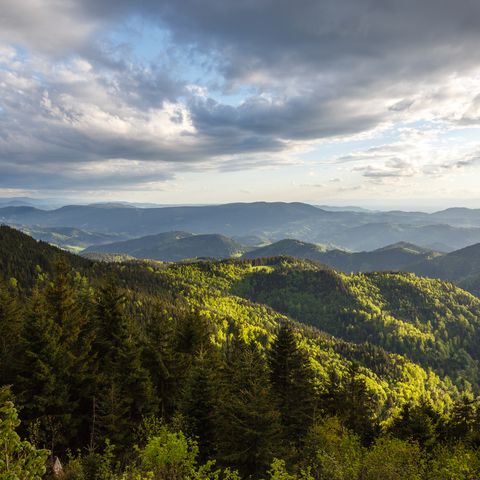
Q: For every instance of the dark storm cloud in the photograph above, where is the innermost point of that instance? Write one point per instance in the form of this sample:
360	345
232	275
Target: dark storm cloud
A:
296	118
311	33
312	69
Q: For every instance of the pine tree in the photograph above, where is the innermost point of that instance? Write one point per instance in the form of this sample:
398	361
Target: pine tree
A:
54	379
75	339
163	364
11	331
44	394
463	422
199	401
292	383
247	422
356	405
417	423
124	389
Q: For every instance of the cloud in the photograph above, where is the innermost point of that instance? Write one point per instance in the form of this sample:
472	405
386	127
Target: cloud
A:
81	90
49	26
394	168
418	155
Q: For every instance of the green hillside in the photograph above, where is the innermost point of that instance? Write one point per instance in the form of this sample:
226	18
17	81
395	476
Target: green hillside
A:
267	353
398	256
289	248
432	322
22	257
174	246
454	266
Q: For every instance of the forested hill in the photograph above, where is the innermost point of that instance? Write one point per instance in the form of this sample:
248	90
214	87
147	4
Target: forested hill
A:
454	266
398	256
233	353
174	246
430	321
22	257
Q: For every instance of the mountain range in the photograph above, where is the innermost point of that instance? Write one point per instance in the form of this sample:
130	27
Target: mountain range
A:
398	256
342	316
355	230
441	244
461	266
193	337
176	246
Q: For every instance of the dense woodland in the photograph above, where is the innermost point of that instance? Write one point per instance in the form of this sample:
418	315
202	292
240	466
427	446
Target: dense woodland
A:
267	369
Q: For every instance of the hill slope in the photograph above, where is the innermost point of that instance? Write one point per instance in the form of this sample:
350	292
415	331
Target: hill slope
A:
174	246
153	340
289	248
430	321
354	230
370	236
229	219
454	266
69	238
22	257
225	294
399	256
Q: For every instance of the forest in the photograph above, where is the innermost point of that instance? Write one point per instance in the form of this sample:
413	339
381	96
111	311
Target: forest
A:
271	368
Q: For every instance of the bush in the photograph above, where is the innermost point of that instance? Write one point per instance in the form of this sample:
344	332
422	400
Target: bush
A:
19	459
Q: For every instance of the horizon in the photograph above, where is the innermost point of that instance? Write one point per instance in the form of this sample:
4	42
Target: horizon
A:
53	203
322	103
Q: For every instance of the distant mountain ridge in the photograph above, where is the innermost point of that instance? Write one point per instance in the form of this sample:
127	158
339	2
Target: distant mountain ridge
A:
461	266
174	246
392	257
288	247
357	230
69	238
453	266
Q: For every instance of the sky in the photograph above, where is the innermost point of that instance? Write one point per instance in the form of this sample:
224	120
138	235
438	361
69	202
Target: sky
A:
373	103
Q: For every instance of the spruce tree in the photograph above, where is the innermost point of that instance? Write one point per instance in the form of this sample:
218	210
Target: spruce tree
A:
199	400
163	363
44	394
75	339
464	422
417	423
124	390
11	331
292	383
357	406
247	422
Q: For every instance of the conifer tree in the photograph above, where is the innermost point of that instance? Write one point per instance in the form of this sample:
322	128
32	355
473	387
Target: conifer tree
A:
54	378
11	331
247	422
124	390
75	343
417	423
199	401
463	422
292	383
45	395
163	364
357	406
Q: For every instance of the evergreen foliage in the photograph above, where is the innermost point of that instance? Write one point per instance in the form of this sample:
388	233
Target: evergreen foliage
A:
196	352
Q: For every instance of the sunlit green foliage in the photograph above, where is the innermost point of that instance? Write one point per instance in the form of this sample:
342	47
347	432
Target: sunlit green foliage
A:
273	368
19	459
